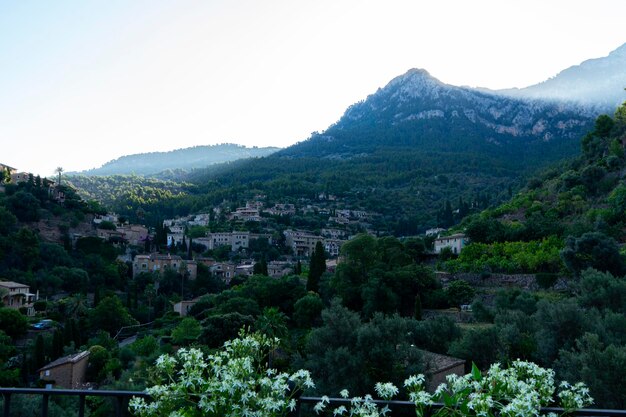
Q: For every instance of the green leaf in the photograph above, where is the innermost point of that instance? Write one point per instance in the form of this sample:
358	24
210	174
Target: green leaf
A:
476	373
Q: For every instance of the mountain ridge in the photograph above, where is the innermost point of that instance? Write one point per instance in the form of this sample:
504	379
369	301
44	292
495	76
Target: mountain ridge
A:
416	109
597	82
200	156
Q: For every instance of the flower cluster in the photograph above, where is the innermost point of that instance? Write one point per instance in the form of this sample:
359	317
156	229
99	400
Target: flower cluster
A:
236	382
520	390
232	382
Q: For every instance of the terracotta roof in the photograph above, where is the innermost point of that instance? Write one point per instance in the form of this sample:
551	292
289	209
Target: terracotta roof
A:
436	362
66	359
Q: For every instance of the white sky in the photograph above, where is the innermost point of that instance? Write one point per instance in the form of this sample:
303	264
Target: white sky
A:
84	82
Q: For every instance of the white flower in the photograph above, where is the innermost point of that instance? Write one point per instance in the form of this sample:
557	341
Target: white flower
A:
339	411
386	390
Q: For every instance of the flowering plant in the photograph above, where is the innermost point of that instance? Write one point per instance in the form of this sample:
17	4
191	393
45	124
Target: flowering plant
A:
232	382
521	390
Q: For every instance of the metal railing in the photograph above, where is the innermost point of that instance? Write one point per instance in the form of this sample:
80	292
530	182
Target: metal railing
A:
121	399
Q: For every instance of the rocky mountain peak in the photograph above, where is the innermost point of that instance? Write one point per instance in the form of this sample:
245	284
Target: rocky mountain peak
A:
416	82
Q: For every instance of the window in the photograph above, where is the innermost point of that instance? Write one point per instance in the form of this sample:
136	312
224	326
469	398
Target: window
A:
47	373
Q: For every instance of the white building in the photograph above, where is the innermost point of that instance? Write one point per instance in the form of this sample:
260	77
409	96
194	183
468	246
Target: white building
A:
455	242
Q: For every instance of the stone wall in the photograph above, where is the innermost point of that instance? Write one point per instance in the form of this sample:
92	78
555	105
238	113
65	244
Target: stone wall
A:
524	281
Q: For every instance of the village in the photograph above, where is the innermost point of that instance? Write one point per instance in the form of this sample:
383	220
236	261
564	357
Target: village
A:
189	245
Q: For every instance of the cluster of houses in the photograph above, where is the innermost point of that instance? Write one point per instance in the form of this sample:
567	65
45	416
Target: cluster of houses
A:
70	371
13	176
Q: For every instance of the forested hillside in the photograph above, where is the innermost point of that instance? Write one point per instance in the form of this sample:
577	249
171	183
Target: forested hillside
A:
578	204
128	193
186	159
405	152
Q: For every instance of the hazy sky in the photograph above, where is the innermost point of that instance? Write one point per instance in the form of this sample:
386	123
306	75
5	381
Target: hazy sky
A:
84	82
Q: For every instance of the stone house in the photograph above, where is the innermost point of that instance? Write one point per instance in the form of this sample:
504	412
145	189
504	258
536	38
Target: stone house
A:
156	262
277	269
333	246
135	234
66	372
223	270
18	296
455	242
301	243
245	269
183	307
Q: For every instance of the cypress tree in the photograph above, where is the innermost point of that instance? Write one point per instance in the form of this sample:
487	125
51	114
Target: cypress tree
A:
57	345
317	267
68	331
418	307
96	296
40	354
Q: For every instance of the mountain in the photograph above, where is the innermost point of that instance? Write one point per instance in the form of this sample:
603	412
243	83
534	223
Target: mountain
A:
597	82
419	112
179	159
410	147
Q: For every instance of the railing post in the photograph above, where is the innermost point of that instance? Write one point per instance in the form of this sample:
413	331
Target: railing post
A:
44	405
7	404
81	405
121	406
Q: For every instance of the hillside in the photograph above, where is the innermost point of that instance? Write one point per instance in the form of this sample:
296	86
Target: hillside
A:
409	148
597	82
575	210
180	159
418	111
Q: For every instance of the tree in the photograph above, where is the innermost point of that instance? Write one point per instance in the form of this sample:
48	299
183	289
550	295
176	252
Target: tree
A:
8	377
460	292
601	291
12	322
7	221
317	266
24	206
222	327
59	170
40	352
308	310
187	331
593	250
98	358
110	315
346	353
260	268
272	323
559	324
477	345
599	366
